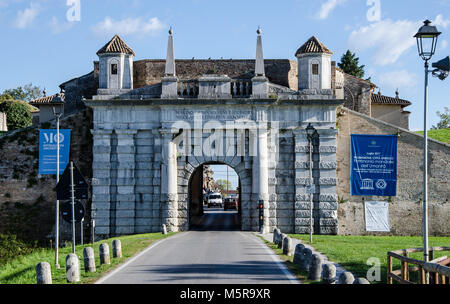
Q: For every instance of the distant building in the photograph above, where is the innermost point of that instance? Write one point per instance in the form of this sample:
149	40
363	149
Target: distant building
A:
47	104
391	110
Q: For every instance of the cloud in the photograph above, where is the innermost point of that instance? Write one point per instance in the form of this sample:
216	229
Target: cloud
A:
59	27
401	79
444	44
26	17
389	38
128	26
328	7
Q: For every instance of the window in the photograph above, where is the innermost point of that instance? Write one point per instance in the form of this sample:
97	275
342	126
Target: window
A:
114	69
315	69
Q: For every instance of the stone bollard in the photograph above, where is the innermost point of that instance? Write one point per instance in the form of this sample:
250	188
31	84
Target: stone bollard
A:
117	249
89	259
329	274
43	273
298	254
164	229
72	268
315	268
280	240
361	281
104	254
346	278
287	246
275	235
307	254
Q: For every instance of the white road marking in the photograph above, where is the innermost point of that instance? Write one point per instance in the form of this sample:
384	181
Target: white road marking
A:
131	260
277	260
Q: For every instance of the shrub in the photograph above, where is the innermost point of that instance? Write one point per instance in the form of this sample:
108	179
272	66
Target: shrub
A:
18	115
11	247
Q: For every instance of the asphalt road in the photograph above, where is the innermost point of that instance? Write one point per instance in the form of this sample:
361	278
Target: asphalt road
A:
210	254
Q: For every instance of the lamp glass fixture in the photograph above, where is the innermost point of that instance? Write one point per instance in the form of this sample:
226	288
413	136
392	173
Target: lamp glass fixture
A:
427	38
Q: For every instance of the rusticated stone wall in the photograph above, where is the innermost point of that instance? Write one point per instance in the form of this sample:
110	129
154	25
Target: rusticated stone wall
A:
406	208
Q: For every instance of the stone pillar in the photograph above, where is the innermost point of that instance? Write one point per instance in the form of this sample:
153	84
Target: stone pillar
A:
72	268
325	208
89	259
169	185
104	254
117	249
101	181
302	179
263	174
43	273
125	181
328	206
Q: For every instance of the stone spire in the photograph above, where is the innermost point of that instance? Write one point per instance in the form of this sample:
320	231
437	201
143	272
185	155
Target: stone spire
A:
260	83
259	66
170	81
170	59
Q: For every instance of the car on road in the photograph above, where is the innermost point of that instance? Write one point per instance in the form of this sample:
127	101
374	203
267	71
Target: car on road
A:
230	203
215	199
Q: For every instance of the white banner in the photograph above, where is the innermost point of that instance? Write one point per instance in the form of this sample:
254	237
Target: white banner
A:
377	216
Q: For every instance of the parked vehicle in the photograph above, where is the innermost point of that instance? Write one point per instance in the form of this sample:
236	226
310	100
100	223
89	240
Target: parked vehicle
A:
215	199
230	203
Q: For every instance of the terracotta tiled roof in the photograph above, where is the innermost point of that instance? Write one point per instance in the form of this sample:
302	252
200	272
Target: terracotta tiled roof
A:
47	99
381	99
313	45
116	45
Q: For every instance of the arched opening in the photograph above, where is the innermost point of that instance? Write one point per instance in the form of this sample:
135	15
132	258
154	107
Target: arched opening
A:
214	198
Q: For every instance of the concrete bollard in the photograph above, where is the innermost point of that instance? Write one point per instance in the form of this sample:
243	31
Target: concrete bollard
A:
361	281
164	229
275	235
43	273
315	268
298	254
307	254
117	249
104	254
89	259
280	240
329	274
72	268
287	246
346	278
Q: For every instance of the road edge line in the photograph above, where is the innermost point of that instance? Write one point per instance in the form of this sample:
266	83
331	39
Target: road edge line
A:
277	260
132	259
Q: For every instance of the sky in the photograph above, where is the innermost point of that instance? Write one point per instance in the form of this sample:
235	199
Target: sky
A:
47	42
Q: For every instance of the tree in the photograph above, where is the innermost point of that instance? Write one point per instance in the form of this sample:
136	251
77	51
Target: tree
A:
18	115
350	65
222	184
25	93
444	123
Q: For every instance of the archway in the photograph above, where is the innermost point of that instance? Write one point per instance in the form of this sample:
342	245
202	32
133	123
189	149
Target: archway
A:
212	197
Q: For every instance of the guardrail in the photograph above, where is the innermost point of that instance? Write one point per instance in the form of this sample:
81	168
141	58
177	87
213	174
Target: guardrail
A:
437	270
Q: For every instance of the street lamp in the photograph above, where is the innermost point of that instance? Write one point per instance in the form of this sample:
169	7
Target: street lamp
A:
427	37
57	112
309	133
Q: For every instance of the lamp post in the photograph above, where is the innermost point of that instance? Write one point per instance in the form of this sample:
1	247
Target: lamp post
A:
57	112
309	133
427	37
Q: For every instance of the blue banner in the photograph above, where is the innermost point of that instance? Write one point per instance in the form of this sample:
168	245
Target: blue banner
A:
47	151
374	165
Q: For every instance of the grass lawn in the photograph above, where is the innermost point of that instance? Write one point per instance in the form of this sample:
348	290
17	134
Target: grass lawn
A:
22	270
442	135
352	252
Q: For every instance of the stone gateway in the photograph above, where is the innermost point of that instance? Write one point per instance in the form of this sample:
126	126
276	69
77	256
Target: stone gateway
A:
148	143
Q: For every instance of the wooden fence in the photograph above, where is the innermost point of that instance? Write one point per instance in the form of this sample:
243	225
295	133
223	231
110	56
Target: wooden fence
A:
437	270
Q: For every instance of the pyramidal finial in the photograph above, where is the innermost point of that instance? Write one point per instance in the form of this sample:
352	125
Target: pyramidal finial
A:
259	65
170	59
